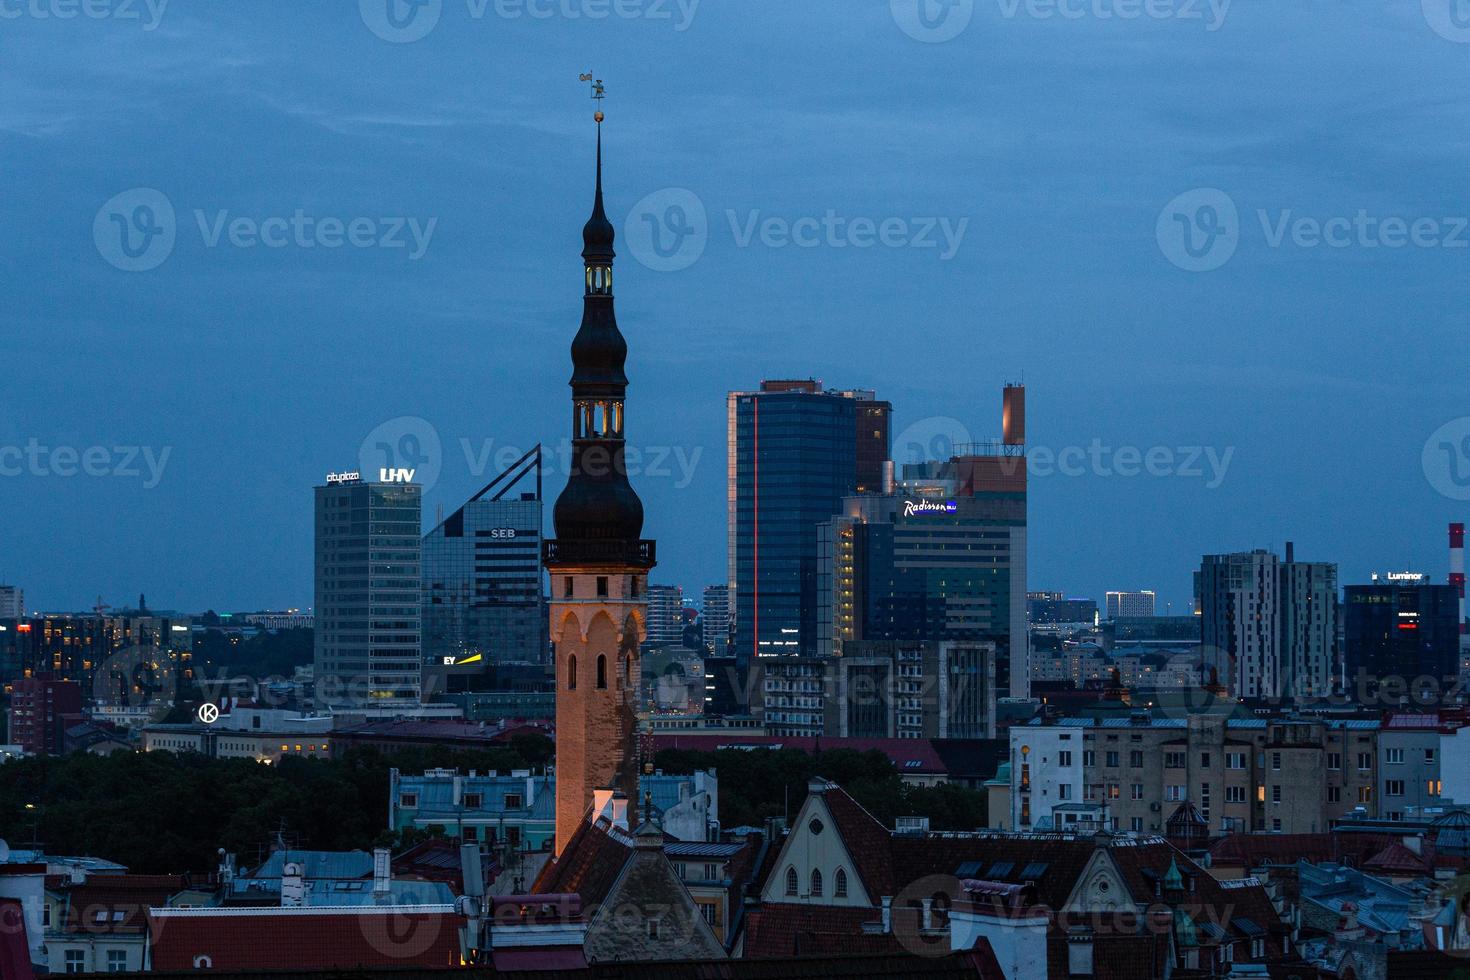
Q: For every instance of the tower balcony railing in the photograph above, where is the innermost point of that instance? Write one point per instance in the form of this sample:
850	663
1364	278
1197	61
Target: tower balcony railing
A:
642	554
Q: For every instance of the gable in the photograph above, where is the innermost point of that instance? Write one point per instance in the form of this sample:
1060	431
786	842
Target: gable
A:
649	915
1100	887
816	843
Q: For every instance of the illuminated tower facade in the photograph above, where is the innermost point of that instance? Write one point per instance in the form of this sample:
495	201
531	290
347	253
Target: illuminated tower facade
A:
598	562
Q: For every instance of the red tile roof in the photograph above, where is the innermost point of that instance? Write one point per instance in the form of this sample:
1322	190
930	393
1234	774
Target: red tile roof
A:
117	904
588	866
1396	859
302	939
777	929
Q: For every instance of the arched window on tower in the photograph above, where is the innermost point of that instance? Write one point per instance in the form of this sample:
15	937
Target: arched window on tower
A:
572	672
790	881
839	884
602	671
816	883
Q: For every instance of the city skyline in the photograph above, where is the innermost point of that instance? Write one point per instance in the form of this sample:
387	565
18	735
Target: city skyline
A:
291	359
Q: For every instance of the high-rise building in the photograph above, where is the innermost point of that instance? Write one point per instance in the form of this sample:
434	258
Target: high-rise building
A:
12	602
484	598
1130	604
1052	608
1269	627
665	614
795	451
1398	630
41	709
368	591
714	619
599	561
943	557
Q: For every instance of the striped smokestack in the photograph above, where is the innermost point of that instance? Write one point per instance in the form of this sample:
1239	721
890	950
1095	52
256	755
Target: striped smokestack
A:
1457	566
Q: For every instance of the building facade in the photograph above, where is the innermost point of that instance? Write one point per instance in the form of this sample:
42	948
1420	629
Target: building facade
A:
41	709
1400	631
793	455
1269	627
1280	775
484	595
714	620
1130	604
368	592
1053	608
665	614
941	558
12	602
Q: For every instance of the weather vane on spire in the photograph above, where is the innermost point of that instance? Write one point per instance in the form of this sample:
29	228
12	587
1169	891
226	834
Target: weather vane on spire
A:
599	92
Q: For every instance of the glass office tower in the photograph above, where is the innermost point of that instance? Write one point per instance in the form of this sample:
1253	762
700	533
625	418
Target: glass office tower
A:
484	602
367	592
793	456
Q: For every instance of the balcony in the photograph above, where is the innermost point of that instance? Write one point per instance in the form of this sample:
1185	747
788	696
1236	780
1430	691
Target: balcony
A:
622	554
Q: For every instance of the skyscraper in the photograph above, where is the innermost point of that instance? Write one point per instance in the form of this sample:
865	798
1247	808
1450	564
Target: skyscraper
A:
795	451
941	558
1269	627
484	600
598	561
665	614
1130	604
368	586
12	602
714	619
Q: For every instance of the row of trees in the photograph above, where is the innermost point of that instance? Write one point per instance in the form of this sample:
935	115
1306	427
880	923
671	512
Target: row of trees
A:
762	783
165	813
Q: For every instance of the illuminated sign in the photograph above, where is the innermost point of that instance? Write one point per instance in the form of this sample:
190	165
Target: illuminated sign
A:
503	532
918	508
395	476
473	658
1406	576
344	477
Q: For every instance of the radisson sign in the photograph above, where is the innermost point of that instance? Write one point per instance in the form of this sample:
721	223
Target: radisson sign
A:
921	508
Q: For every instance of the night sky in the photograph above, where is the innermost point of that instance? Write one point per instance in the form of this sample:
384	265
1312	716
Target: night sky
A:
1224	246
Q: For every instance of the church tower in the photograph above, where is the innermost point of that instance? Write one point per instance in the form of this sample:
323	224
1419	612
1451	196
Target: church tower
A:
598	563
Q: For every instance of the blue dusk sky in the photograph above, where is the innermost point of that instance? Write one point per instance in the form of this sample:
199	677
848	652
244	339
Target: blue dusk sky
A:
244	244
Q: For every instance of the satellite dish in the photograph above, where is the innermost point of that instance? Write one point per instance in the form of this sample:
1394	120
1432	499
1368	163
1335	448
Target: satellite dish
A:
4	852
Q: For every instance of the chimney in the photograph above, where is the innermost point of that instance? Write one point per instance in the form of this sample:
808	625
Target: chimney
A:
1457	566
887	913
293	886
1290	552
382	871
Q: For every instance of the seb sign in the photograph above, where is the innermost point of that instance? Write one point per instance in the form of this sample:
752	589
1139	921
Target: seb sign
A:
503	533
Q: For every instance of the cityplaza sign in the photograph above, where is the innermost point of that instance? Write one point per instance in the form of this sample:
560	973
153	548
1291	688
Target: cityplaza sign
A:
344	477
923	508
